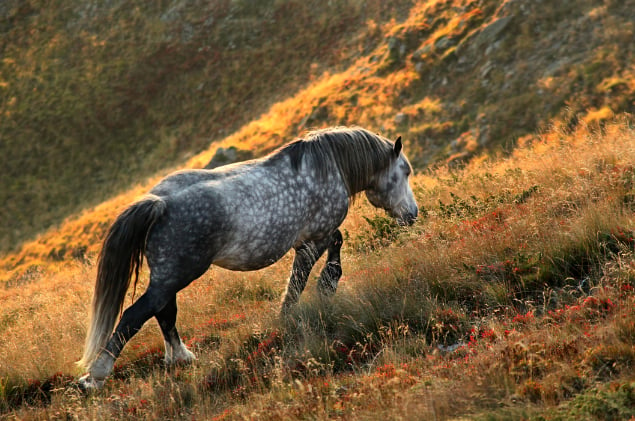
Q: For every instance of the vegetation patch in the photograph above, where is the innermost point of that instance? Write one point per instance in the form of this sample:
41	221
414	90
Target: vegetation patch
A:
511	297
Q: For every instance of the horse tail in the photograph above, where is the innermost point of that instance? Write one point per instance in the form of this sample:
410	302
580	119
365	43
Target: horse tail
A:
121	256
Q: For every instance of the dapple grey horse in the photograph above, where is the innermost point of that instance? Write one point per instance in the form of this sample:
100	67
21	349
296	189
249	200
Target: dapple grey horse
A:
243	216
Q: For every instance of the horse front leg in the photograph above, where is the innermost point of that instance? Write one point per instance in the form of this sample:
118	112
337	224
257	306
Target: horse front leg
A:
305	257
332	272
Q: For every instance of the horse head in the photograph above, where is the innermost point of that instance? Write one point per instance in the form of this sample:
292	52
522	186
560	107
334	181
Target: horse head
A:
389	189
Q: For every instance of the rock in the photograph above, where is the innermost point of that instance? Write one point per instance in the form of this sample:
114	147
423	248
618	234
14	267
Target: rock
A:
396	49
443	43
224	156
419	59
401	118
490	33
484	137
421	53
486	69
492	47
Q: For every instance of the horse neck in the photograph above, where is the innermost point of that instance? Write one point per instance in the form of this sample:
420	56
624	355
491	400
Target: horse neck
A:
358	174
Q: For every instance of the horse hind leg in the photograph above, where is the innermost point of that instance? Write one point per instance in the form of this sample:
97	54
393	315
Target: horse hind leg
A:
175	350
332	272
150	303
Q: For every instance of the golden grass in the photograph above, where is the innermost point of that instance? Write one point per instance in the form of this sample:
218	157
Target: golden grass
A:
512	296
524	260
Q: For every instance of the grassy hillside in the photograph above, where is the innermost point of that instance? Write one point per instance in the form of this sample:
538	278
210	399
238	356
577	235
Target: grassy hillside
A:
96	96
512	297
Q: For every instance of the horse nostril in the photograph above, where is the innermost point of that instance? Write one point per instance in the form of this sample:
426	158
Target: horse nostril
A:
406	219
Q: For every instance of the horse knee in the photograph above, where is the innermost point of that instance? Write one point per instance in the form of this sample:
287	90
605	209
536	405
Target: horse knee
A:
332	272
134	317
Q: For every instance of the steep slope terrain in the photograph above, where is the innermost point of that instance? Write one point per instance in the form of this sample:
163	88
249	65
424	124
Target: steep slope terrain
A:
512	297
455	78
460	77
96	96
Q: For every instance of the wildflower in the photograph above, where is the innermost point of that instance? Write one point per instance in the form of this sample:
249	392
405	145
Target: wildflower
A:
626	288
387	370
606	304
508	332
523	318
490	335
590	302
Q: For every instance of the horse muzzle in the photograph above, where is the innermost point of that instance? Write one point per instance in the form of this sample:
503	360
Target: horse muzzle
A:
407	220
407	217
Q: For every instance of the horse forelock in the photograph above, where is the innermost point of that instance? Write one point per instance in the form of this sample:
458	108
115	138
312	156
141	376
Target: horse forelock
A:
355	152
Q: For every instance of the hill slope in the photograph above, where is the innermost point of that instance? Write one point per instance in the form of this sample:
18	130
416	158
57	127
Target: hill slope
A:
512	297
96	97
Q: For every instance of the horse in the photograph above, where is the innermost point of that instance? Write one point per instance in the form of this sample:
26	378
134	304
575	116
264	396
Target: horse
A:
243	216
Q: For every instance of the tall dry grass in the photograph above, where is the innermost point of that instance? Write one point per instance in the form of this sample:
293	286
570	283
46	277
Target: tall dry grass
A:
515	287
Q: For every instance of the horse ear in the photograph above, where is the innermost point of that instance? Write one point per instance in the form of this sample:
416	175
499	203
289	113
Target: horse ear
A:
398	146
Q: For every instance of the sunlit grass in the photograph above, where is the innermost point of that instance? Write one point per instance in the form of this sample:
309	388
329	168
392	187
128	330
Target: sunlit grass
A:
512	295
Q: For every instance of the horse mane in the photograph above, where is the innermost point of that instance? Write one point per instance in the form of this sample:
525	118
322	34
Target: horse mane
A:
355	152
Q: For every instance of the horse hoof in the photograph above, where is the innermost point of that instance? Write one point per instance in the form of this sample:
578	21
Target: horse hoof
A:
88	384
184	359
188	357
179	355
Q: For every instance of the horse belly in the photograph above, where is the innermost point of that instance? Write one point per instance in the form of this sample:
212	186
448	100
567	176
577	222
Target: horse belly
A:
254	250
243	259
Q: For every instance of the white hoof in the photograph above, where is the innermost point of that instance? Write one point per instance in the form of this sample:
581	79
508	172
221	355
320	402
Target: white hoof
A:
186	357
179	355
88	383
